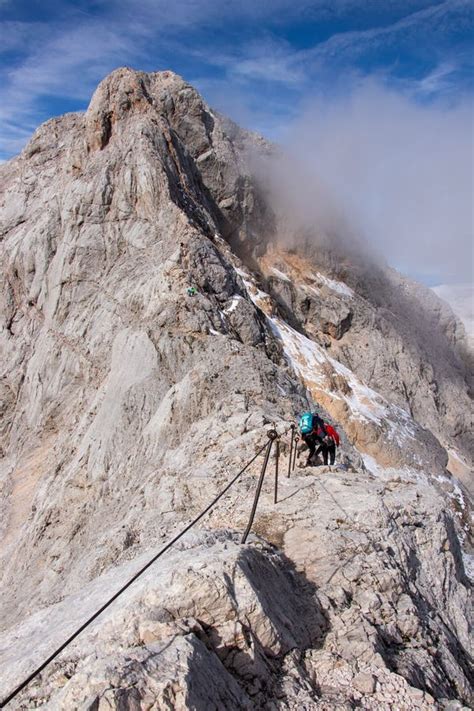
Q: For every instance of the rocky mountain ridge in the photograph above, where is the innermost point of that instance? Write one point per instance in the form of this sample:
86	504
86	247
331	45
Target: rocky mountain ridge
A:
126	404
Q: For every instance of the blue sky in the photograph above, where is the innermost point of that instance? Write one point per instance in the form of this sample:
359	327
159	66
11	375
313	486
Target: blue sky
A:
257	60
265	63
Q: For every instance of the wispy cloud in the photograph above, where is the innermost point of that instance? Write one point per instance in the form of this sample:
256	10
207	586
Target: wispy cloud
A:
271	62
441	18
242	54
66	64
17	35
437	80
424	36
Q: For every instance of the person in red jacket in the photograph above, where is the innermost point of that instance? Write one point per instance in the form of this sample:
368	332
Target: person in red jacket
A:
329	444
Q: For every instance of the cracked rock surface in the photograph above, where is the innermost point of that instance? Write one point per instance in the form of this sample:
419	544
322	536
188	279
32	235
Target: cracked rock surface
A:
127	405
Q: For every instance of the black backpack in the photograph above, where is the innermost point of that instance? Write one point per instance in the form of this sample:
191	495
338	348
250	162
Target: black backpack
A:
318	427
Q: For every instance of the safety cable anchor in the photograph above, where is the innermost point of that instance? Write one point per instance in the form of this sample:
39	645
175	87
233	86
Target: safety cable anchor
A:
267	447
290	458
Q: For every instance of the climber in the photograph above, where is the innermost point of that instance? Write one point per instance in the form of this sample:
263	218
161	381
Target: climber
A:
312	431
328	445
191	291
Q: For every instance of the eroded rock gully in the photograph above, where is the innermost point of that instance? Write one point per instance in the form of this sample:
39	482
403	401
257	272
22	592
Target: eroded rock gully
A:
126	405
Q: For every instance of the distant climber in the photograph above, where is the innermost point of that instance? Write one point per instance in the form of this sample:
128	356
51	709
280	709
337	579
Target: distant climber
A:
312	431
328	445
191	291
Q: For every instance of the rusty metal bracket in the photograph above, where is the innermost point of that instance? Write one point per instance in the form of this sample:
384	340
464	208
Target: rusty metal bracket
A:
291	449
272	436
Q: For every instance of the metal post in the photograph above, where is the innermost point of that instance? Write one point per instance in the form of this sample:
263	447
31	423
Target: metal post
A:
277	458
291	450
272	436
295	450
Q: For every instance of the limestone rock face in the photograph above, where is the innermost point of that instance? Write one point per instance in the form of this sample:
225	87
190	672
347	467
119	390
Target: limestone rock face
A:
324	625
397	336
128	402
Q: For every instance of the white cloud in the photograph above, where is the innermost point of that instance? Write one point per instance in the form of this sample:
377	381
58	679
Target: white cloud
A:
62	62
435	81
275	67
377	165
461	299
419	25
68	57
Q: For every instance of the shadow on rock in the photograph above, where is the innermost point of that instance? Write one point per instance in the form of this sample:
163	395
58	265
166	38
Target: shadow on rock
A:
277	616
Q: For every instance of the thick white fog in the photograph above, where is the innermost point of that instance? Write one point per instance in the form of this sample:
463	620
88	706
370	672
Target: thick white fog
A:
377	165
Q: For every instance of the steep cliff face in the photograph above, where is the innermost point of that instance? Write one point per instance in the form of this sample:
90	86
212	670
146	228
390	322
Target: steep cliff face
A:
392	333
110	365
127	404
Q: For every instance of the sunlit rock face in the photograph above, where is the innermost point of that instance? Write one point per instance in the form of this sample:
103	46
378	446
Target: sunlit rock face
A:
128	402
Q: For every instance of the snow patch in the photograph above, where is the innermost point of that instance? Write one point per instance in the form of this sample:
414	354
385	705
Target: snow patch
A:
311	362
304	355
241	272
280	274
233	305
371	465
468	562
457	494
338	286
256	295
387	473
314	367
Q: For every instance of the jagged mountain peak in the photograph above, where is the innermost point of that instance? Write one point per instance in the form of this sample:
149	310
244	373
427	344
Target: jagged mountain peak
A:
126	92
126	81
153	328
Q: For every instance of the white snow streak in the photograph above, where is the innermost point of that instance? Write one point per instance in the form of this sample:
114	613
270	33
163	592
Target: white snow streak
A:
233	305
312	364
280	274
338	286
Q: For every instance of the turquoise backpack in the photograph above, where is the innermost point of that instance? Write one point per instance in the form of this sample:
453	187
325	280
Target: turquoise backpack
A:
306	423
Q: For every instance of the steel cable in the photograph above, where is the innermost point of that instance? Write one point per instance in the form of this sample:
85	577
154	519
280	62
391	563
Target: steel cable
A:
96	614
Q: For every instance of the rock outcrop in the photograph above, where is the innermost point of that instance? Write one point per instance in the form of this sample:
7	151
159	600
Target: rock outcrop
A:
395	335
127	404
366	607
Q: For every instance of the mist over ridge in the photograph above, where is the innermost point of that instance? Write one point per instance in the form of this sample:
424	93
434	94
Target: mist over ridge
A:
375	168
